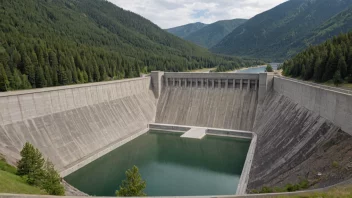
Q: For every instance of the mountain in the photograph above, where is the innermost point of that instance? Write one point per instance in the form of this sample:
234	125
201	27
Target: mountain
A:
211	34
270	35
185	30
340	23
58	42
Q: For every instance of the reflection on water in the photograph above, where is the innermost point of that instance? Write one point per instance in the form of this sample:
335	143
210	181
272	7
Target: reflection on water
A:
171	166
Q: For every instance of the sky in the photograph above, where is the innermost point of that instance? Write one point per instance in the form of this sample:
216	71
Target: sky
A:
172	13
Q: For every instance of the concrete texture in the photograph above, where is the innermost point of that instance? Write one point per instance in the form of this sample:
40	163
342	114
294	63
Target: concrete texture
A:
265	84
157	82
218	108
72	123
195	133
294	142
331	104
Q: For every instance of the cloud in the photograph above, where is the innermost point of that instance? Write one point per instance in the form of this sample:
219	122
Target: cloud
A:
172	13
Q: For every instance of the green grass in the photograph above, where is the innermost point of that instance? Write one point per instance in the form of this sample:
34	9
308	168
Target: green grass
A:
6	167
337	192
11	183
343	85
302	185
203	70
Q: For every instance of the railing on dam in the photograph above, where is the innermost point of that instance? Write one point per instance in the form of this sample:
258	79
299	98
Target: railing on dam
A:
212	80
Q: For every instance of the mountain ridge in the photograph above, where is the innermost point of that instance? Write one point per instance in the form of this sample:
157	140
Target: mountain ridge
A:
270	34
211	34
187	29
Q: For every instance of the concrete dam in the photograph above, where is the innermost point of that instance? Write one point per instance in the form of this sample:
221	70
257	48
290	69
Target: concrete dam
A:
302	128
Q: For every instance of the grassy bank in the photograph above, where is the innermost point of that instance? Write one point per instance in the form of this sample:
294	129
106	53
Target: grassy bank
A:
336	192
12	183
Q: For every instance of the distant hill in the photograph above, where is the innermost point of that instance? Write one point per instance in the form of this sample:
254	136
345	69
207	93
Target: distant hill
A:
58	42
185	30
211	34
271	34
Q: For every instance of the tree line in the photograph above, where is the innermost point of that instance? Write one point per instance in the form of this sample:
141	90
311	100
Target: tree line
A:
50	43
331	60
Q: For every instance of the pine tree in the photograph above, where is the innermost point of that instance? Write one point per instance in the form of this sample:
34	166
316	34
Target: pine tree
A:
29	70
137	70
39	77
4	83
31	164
25	82
342	66
17	78
318	69
337	78
53	59
62	76
133	185
51	180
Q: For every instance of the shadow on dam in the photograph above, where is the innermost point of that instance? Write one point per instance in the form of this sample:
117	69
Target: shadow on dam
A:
302	128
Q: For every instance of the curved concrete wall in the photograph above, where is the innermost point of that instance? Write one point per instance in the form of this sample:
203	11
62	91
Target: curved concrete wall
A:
69	123
294	142
213	107
333	105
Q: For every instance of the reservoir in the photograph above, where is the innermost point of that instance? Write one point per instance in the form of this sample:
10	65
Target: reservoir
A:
260	69
170	165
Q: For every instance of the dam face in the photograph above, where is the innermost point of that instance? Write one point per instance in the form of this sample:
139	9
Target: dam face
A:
301	128
73	123
210	100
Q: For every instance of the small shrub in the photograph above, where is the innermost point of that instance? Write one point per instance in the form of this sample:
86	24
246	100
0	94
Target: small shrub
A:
335	164
303	184
269	68
266	189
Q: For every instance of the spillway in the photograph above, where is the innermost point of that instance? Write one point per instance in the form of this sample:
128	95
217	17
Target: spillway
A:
301	128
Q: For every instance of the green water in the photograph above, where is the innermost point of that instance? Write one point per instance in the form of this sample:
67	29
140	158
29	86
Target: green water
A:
171	166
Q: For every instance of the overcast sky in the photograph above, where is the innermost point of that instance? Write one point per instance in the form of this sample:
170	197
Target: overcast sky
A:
172	13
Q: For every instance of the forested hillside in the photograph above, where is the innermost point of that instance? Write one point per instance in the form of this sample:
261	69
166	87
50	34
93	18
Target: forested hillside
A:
283	31
185	30
330	60
59	42
211	34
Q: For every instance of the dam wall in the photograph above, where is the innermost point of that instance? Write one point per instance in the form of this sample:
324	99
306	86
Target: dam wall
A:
333	104
70	123
304	133
295	144
217	100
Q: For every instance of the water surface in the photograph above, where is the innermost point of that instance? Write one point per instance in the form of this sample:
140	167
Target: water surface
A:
171	166
260	69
